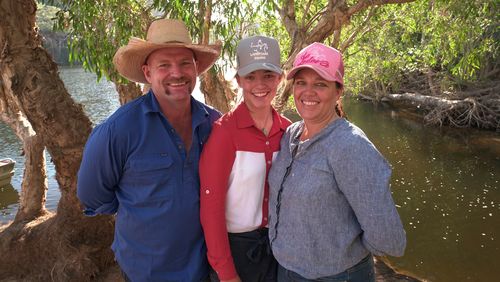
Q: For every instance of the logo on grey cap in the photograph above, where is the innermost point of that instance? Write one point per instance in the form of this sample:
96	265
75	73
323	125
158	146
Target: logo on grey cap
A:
258	53
259	50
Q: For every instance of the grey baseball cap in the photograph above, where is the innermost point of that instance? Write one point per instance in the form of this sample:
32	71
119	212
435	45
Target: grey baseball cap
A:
258	53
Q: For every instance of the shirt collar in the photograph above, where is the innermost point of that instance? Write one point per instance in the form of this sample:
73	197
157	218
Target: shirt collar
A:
325	131
198	111
244	119
150	104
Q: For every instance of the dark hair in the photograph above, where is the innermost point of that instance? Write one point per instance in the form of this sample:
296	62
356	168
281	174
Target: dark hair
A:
338	107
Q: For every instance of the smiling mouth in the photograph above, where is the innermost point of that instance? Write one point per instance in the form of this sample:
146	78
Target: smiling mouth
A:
260	94
177	84
309	103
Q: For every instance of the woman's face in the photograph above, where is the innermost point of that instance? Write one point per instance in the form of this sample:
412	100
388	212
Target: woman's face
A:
259	88
315	97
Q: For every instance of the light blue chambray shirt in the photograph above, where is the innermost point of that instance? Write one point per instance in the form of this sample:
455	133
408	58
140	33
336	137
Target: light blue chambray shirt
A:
136	165
335	206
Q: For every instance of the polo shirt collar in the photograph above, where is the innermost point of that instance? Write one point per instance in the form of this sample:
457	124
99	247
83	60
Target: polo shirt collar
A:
244	119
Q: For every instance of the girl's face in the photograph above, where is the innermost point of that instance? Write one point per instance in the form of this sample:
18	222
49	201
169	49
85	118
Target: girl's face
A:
259	88
315	97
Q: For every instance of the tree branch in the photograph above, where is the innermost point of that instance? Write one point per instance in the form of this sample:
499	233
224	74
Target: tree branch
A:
306	12
288	17
363	4
362	26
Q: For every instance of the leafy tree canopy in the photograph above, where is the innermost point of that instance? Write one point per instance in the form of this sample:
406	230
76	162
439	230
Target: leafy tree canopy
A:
456	40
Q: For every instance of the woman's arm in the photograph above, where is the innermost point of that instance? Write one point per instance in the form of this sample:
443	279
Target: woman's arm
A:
216	162
364	179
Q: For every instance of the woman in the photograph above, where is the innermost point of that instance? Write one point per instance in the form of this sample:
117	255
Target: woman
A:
330	202
234	165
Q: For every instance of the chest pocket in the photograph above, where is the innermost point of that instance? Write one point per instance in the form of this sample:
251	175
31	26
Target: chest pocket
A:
149	177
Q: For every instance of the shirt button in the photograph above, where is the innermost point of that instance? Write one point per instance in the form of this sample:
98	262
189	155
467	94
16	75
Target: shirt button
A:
267	143
265	218
207	191
265	199
268	162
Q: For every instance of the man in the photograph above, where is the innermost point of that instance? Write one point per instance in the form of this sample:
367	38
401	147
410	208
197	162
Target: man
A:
142	162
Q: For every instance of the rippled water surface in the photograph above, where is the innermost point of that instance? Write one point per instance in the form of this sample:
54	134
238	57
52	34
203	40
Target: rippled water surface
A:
446	186
445	183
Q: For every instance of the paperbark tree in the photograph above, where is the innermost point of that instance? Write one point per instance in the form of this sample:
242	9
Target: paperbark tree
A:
31	203
64	246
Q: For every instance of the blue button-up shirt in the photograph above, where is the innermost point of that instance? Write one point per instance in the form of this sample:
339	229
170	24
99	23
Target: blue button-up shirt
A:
135	165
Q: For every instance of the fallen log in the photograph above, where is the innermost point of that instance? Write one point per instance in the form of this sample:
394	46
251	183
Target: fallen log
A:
481	111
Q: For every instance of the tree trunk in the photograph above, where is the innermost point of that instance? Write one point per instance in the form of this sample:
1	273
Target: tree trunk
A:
128	92
216	90
32	202
214	87
67	246
34	187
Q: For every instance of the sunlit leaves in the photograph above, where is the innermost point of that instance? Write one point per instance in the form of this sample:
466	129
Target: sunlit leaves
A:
449	36
452	36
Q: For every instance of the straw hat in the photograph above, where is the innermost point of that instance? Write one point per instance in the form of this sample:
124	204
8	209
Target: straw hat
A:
130	58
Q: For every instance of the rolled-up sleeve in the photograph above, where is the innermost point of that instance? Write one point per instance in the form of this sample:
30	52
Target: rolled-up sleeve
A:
364	179
99	173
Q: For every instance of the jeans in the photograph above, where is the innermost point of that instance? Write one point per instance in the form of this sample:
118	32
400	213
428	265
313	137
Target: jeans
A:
364	271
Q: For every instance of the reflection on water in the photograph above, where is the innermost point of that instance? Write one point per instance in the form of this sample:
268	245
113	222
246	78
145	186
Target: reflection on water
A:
99	100
445	183
447	192
8	199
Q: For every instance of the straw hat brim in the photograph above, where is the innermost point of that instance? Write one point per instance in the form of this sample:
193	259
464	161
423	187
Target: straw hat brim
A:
130	58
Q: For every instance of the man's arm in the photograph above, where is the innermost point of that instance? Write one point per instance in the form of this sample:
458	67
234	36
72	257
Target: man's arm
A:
99	173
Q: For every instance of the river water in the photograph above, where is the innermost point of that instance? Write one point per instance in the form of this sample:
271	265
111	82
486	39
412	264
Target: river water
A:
445	183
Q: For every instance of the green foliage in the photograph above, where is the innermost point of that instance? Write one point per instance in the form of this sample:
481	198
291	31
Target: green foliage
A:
45	16
458	39
98	28
267	22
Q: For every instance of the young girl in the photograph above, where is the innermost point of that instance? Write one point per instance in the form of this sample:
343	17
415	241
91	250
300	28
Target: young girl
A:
234	166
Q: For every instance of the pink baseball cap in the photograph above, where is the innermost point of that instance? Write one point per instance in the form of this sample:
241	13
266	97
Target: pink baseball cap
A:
325	60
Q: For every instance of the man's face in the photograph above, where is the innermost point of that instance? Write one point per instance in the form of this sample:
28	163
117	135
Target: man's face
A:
172	74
